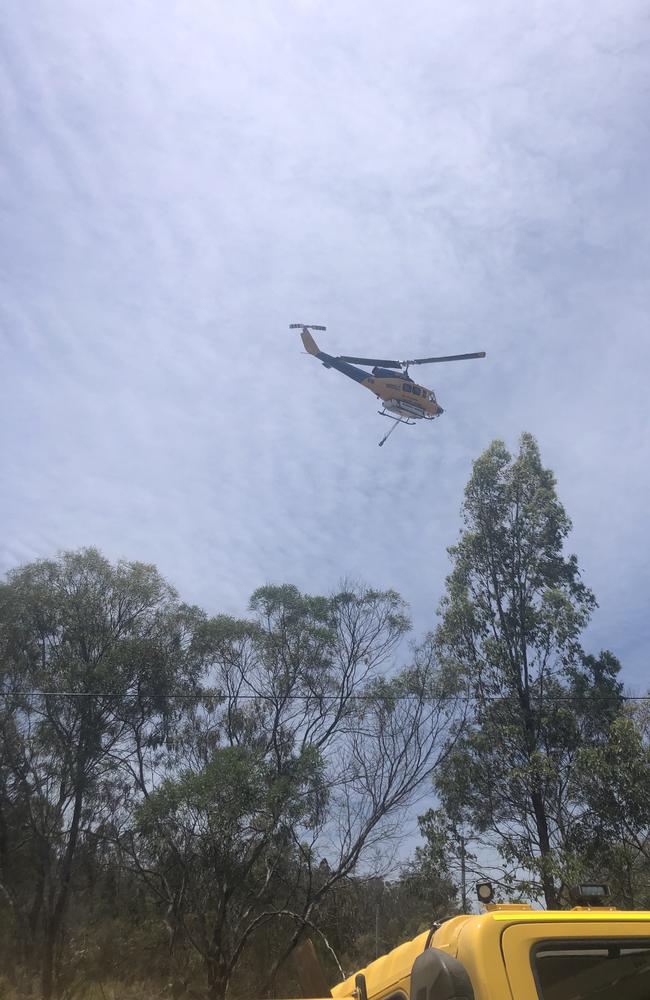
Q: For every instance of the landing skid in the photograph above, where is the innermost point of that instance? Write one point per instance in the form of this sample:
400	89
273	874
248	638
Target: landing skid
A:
397	420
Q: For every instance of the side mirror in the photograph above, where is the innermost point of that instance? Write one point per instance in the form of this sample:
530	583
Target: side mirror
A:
437	976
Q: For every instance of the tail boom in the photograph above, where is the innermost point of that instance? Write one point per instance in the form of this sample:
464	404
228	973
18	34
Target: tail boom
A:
328	360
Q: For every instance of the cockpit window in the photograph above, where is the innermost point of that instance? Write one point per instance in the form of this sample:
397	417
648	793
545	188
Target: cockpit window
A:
416	390
406	387
603	970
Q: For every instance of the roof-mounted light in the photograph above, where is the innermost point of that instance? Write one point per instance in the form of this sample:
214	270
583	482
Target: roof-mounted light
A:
485	892
590	893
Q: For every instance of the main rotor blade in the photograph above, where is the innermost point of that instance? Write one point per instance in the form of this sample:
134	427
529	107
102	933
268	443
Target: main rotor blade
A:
449	357
370	361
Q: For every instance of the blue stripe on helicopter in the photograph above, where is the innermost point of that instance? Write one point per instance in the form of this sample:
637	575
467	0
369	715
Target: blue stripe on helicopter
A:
343	366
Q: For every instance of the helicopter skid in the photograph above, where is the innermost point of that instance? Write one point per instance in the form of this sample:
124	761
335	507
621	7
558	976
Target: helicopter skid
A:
399	419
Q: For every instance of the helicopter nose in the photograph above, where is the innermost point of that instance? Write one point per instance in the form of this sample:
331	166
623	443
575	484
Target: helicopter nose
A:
440	411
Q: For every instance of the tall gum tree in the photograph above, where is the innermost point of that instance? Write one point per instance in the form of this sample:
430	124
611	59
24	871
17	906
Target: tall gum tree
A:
92	659
511	620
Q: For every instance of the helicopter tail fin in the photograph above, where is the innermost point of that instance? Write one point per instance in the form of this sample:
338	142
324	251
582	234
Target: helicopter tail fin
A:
310	344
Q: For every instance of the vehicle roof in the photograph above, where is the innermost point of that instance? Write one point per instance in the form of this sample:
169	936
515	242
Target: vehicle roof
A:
577	913
450	929
385	972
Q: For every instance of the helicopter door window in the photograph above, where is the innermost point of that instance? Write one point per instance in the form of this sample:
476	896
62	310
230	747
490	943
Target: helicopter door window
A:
406	388
415	390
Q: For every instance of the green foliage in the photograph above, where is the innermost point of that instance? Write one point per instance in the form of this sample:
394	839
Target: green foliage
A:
510	626
237	806
90	654
208	781
366	917
612	779
300	748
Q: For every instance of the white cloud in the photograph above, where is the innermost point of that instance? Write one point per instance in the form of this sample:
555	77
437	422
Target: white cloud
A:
182	181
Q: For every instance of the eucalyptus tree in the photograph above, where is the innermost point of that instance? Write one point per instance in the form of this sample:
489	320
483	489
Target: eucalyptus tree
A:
93	658
303	758
612	781
511	622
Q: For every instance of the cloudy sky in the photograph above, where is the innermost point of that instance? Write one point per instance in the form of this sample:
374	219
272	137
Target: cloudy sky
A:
180	181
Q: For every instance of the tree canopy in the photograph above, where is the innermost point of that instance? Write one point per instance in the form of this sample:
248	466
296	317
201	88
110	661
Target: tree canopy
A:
183	797
511	623
237	770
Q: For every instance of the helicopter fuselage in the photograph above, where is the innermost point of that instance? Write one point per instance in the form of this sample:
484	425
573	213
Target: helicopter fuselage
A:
398	392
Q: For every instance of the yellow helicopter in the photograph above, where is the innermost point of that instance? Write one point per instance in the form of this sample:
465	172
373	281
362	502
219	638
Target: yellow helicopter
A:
403	400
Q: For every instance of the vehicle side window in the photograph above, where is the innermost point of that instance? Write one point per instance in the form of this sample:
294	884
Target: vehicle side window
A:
406	388
573	967
416	391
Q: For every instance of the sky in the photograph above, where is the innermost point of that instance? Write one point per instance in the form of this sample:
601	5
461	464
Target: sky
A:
180	181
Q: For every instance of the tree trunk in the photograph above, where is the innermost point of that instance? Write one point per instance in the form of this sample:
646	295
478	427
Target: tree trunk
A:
217	980
548	885
536	797
55	921
47	969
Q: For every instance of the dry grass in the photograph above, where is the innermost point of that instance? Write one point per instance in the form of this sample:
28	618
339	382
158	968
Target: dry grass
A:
89	991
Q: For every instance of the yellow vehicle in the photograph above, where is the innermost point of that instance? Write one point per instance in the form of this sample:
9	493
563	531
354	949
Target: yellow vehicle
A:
514	952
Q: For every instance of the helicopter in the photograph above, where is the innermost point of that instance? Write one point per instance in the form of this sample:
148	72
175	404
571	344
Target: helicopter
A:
403	400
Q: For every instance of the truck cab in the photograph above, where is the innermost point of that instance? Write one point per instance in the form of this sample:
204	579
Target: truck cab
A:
514	952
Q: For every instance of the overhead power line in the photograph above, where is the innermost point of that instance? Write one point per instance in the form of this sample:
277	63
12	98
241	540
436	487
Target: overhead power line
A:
186	696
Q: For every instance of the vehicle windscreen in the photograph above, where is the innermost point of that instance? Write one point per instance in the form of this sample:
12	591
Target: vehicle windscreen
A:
616	969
